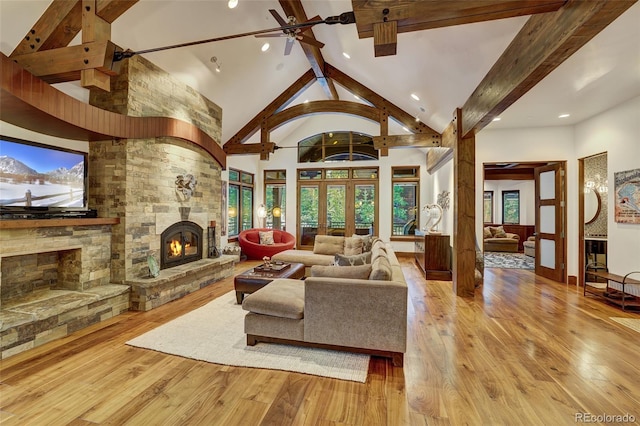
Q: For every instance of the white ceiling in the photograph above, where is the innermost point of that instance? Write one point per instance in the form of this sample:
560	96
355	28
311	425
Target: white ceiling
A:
442	66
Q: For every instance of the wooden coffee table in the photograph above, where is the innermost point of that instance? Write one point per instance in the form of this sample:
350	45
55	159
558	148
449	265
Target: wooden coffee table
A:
253	280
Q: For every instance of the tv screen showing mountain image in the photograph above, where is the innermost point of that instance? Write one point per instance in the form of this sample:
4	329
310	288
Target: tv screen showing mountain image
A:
41	177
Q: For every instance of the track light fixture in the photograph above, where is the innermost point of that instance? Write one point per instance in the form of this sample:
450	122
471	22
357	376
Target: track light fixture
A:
214	60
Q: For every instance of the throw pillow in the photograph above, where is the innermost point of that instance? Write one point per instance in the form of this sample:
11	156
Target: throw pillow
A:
380	269
266	238
500	233
360	272
353	245
487	232
328	244
353	260
367	241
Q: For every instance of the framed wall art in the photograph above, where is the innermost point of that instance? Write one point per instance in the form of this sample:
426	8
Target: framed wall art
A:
627	196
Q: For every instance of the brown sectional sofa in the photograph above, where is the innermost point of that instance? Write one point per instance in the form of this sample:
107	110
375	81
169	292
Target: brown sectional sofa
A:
359	308
496	239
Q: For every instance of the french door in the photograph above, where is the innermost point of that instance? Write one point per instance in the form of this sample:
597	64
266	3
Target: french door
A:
550	222
339	202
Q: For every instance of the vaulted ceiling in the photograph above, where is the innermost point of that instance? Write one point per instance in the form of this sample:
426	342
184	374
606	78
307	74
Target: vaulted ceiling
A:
441	55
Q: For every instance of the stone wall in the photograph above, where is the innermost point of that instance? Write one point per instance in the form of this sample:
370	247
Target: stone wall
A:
135	179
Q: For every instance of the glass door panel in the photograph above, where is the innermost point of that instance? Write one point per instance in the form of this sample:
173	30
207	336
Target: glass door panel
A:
335	216
308	223
365	209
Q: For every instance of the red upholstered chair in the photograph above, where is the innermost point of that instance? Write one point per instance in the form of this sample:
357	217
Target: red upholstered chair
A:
249	241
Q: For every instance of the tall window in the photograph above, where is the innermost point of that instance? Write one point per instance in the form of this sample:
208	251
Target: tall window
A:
488	207
240	201
511	207
336	146
275	197
406	187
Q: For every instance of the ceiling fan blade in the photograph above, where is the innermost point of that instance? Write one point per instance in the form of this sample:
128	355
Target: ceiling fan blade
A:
278	18
311	41
314	19
288	46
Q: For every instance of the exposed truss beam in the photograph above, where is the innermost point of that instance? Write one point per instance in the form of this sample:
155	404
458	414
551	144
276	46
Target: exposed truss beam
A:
406	141
314	55
412	15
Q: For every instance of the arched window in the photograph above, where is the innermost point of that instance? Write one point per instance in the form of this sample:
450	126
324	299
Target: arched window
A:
336	146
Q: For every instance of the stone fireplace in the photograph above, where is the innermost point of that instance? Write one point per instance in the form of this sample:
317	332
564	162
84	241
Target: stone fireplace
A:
180	243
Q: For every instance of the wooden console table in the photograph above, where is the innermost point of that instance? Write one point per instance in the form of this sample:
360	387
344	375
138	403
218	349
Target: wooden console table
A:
433	256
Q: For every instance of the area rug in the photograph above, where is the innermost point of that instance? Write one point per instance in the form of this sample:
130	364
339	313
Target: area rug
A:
632	323
215	333
508	260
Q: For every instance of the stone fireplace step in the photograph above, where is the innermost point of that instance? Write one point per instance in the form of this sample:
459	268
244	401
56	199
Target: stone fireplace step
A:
46	315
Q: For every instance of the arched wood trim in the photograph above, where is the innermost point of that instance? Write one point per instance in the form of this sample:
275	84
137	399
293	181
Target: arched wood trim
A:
27	101
322	107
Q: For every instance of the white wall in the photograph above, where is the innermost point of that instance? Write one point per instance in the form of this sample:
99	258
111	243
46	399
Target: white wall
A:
527	198
7	129
616	132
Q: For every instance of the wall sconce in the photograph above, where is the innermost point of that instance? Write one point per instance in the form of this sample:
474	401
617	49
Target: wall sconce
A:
277	212
262	214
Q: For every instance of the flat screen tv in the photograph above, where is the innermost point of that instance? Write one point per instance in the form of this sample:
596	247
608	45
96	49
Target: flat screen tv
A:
39	179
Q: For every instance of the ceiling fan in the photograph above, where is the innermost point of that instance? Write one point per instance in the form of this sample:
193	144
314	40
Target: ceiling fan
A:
295	33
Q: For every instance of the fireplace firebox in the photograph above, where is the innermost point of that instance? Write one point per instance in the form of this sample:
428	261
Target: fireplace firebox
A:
181	243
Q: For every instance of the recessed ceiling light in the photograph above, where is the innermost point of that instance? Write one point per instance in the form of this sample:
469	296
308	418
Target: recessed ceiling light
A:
306	101
417	118
232	4
415	97
497	119
564	115
265	47
346	55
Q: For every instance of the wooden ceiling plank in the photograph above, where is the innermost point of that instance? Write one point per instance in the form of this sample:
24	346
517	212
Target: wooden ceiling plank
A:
57	26
385	38
279	103
406	141
378	101
110	10
414	15
314	55
543	43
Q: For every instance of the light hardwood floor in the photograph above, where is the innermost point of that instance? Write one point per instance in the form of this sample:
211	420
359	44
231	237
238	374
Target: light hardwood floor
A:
524	351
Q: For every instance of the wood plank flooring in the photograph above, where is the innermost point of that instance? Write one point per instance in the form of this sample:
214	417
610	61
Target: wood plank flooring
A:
525	351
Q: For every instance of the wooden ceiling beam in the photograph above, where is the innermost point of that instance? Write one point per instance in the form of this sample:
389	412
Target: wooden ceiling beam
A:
94	29
314	55
250	148
318	107
412	15
279	103
57	26
65	63
543	43
406	141
110	10
385	38
378	101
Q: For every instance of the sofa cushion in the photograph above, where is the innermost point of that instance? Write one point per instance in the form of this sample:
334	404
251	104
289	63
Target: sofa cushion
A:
354	260
360	272
380	269
353	245
280	298
328	244
498	232
486	232
367	241
266	238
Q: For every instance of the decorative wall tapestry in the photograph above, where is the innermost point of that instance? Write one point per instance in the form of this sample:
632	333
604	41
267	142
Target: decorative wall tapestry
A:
627	196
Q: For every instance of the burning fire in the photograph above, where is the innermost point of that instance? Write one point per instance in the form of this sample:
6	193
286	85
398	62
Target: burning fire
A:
176	248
